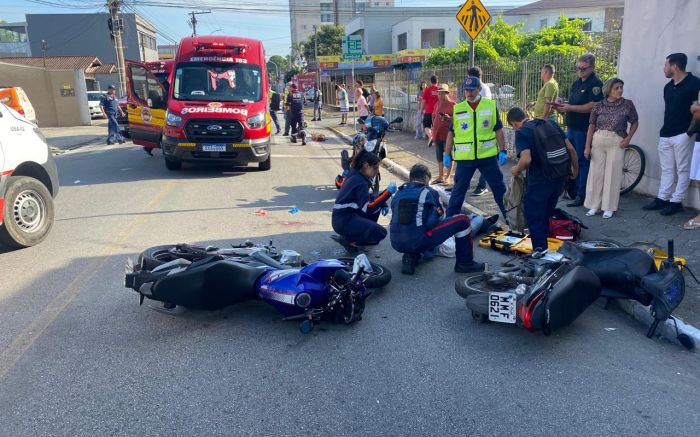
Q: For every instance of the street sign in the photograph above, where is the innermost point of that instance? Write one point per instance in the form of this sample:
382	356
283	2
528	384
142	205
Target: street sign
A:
473	17
352	47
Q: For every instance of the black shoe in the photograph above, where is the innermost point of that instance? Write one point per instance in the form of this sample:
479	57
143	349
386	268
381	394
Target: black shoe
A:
470	267
577	202
278	132
655	204
313	119
409	263
122	141
478	192
293	138
303	142
109	143
285	135
672	208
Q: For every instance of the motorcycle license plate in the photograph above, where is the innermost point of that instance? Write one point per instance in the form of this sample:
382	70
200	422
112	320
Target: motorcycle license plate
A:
214	147
502	307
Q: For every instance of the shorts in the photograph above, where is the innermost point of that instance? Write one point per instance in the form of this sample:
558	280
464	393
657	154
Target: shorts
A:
344	107
695	163
427	120
439	149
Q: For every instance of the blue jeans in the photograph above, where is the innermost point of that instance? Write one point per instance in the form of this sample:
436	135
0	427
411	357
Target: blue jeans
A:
539	202
273	116
578	139
463	176
113	133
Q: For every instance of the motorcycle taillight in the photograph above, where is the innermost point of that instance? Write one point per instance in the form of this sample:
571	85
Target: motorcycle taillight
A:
525	311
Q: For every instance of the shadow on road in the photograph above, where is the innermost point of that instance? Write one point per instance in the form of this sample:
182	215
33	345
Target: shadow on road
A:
316	198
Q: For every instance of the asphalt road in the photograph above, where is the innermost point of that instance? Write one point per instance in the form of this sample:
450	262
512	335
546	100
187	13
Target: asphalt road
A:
78	356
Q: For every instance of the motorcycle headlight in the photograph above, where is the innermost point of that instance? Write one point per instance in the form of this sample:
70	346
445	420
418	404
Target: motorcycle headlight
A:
172	119
256	121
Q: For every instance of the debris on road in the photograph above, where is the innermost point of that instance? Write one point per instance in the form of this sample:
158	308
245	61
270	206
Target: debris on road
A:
294	210
261	213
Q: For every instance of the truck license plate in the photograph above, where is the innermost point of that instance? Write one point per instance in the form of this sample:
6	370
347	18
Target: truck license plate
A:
502	307
214	147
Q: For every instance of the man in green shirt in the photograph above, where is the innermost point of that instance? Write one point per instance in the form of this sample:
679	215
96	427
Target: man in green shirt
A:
548	94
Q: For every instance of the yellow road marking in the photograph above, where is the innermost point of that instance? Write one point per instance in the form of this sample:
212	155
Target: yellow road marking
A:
19	346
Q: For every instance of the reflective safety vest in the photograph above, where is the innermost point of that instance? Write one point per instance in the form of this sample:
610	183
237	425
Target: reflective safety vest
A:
474	137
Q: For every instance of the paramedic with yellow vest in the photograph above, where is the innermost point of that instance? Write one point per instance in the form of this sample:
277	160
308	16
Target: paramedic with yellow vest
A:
477	136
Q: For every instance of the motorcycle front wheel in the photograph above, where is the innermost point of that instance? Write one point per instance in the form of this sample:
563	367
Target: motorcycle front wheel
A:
159	255
379	277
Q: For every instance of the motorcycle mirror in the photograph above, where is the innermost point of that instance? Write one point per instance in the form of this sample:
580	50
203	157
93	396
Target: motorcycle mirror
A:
361	260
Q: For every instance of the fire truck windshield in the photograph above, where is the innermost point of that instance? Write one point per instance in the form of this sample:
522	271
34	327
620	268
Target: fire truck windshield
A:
218	82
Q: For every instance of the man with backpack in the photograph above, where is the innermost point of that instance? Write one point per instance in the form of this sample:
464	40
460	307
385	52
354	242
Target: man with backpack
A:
549	158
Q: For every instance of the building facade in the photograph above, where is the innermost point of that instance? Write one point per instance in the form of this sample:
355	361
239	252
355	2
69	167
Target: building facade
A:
599	15
305	14
13	40
89	34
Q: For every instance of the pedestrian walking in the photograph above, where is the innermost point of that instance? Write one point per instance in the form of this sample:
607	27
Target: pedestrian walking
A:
378	104
275	102
542	107
428	102
341	96
675	145
109	104
585	92
419	112
547	166
287	115
318	103
694	223
362	106
295	101
442	120
355	212
476	134
606	142
475	71
418	226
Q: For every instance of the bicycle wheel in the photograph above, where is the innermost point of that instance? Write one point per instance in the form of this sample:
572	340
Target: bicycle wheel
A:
633	165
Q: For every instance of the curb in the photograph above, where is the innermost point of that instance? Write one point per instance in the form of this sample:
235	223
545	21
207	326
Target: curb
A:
636	310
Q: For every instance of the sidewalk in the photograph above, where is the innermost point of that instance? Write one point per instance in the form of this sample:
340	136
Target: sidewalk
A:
67	138
631	224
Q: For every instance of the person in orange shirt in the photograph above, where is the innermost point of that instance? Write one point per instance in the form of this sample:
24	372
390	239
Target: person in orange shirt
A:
378	104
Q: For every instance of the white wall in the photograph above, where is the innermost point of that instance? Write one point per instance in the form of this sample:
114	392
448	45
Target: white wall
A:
652	31
531	23
414	26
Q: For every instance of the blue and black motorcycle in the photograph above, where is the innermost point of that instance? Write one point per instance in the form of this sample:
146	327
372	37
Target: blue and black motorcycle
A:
209	278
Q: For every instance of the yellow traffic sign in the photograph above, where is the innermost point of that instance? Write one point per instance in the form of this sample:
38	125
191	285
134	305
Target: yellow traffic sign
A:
473	17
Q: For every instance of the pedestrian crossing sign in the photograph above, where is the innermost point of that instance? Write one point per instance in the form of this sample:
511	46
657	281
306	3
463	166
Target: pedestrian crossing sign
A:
473	17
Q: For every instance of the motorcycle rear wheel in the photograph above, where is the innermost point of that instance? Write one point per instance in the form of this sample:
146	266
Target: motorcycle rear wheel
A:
481	283
159	255
379	278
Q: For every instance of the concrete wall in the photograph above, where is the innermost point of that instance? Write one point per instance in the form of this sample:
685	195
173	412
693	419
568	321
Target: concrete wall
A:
651	31
414	27
43	87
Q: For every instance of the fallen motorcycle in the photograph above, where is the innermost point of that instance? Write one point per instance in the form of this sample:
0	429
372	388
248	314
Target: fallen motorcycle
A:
548	291
209	278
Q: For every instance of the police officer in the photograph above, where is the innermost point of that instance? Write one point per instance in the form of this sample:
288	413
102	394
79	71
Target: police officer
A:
417	226
585	92
109	104
477	135
541	193
296	101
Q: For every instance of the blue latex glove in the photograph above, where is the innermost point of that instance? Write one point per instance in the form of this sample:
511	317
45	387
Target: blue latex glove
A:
346	173
392	187
502	157
446	160
385	210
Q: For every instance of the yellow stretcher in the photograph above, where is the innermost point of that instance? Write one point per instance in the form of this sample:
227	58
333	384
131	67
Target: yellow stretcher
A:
510	241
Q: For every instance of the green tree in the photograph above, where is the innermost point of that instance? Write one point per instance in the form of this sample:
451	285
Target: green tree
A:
280	61
329	40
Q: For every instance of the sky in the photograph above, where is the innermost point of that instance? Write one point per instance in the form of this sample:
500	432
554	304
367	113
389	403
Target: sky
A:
172	23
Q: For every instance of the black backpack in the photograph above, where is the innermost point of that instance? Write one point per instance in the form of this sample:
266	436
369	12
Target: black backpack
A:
365	93
551	150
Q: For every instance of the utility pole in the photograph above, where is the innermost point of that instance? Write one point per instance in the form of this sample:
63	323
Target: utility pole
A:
193	20
318	64
44	48
116	26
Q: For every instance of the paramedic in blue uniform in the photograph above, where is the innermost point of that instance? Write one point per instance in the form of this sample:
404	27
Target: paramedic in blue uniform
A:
477	136
110	108
541	194
295	100
356	212
418	227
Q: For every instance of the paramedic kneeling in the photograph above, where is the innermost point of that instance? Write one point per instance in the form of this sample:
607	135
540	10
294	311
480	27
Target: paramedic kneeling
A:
355	212
418	226
549	158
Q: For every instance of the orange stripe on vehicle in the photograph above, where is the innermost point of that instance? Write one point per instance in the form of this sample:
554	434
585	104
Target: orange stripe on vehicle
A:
2	207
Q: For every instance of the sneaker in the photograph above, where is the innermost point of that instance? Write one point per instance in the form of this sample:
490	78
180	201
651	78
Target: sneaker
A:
655	204
591	212
671	208
122	141
109	143
278	132
285	135
480	191
293	138
577	202
469	267
408	264
313	119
